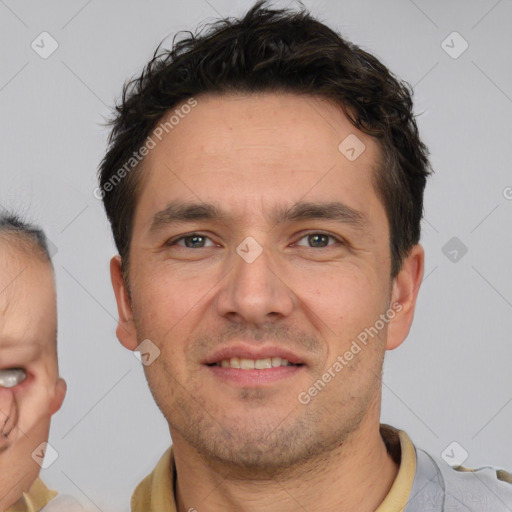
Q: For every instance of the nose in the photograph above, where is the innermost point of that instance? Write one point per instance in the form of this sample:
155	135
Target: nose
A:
255	291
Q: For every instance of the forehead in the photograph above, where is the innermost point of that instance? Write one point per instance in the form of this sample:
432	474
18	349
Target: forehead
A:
27	297
269	149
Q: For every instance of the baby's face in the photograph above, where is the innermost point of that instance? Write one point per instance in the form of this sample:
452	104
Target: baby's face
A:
30	388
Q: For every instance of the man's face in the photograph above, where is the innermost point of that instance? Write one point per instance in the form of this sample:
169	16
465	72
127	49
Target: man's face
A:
211	298
27	342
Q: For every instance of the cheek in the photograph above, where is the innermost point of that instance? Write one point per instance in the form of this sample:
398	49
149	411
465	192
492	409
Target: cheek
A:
341	296
168	378
167	297
163	310
34	411
29	428
34	398
156	288
346	304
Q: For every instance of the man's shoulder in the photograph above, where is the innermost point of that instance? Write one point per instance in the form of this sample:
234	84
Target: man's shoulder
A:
485	488
155	492
459	488
501	474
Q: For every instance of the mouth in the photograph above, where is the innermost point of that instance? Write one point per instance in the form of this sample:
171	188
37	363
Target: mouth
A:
266	363
250	367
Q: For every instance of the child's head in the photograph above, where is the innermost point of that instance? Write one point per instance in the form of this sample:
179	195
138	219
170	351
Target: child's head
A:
30	388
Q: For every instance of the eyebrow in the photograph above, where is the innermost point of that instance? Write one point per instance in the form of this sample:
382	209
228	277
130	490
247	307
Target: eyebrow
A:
178	212
10	343
22	349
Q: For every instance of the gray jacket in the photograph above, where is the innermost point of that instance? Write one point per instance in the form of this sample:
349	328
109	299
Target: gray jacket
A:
437	487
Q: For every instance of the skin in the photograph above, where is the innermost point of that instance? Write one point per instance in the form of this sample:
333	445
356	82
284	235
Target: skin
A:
28	323
254	448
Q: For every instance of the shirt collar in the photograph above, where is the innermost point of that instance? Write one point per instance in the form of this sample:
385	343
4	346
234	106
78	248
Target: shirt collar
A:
398	495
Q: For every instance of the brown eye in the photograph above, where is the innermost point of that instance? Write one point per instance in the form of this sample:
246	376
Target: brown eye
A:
12	377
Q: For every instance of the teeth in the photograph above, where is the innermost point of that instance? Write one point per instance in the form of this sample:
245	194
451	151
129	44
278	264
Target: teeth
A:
247	364
12	377
252	364
261	364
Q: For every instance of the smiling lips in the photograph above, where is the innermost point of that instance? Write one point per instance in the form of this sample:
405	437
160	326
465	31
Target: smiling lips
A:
254	364
248	366
246	356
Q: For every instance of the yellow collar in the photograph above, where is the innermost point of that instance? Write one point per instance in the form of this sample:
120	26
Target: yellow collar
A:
35	499
155	493
397	497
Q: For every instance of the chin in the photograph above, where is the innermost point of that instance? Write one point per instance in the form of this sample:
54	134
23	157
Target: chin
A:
256	448
8	472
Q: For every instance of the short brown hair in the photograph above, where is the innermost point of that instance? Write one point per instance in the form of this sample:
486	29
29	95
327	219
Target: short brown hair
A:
273	51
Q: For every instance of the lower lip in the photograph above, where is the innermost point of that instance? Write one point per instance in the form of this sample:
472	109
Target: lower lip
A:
254	377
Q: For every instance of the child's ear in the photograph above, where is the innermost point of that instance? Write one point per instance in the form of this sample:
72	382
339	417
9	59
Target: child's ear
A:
59	393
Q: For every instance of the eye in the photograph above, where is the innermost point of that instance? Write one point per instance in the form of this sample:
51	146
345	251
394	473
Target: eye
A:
319	239
12	377
192	241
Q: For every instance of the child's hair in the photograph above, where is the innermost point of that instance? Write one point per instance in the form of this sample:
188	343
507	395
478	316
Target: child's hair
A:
29	238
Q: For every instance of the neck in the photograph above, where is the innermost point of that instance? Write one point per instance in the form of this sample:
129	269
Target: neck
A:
357	475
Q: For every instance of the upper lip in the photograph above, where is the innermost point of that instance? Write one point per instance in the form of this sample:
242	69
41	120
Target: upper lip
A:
251	352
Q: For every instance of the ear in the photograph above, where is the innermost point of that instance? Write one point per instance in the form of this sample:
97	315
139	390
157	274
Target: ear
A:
58	396
406	286
126	332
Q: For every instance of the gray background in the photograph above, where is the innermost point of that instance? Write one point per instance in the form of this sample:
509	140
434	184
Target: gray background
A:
450	381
